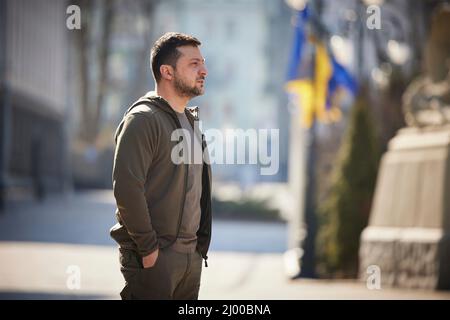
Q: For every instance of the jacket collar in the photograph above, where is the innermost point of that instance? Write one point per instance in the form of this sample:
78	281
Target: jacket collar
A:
160	102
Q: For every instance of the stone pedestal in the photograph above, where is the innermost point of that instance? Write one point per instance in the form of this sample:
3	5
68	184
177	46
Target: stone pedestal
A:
408	236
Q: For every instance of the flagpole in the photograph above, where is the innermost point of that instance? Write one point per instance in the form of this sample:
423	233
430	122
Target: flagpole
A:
308	263
308	260
300	259
307	220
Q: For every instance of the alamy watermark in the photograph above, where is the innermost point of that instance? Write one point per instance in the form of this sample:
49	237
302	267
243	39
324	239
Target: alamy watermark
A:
373	281
231	146
73	281
73	21
374	19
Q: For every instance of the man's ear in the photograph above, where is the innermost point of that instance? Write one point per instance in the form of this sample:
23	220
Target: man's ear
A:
166	71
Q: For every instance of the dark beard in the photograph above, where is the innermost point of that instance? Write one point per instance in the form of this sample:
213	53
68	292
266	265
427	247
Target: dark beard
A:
184	90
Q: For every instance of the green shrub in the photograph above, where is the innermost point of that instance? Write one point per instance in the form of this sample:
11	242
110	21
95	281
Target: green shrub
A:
247	209
346	211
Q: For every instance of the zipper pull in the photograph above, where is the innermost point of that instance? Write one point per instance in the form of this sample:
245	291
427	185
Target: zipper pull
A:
206	264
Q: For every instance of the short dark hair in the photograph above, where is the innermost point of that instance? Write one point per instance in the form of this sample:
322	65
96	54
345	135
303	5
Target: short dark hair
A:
164	51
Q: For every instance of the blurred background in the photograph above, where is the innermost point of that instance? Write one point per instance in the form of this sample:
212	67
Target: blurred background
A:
331	76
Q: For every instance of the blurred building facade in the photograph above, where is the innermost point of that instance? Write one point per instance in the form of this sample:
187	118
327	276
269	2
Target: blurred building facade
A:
127	77
33	76
244	44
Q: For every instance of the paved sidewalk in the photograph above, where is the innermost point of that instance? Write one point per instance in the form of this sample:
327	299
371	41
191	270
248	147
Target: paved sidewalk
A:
43	246
45	271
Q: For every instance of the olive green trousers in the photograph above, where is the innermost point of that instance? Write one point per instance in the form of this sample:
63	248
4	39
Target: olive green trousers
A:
175	275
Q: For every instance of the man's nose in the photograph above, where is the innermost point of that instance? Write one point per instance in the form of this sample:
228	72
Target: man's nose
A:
204	71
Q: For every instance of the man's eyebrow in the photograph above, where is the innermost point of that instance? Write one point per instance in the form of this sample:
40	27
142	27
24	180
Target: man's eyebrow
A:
198	59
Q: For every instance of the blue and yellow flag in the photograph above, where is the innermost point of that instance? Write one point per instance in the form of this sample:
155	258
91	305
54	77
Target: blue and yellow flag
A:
300	70
314	76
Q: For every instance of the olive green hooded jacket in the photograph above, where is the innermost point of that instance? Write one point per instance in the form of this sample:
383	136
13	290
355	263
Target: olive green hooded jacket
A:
149	187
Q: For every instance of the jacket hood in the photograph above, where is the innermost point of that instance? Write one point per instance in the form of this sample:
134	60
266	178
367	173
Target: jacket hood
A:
152	98
161	103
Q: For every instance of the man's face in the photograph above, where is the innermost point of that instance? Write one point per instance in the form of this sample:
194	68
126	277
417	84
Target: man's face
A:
190	72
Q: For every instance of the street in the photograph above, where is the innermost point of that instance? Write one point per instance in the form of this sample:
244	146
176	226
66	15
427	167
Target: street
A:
45	246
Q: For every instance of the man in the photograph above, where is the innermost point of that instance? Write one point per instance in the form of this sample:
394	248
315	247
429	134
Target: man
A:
163	206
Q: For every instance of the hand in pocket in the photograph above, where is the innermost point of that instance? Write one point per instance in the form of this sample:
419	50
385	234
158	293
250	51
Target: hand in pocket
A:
150	260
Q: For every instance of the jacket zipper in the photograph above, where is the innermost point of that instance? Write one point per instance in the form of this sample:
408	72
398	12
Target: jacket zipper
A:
209	191
184	195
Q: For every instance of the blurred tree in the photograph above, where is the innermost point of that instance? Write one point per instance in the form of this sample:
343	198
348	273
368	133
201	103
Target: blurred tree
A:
402	24
114	34
345	213
390	117
93	63
147	9
94	43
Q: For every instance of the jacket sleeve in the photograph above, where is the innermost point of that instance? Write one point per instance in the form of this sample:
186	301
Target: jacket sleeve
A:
135	145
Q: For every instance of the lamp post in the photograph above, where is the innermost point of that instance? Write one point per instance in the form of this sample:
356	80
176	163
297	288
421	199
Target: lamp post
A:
307	203
306	220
